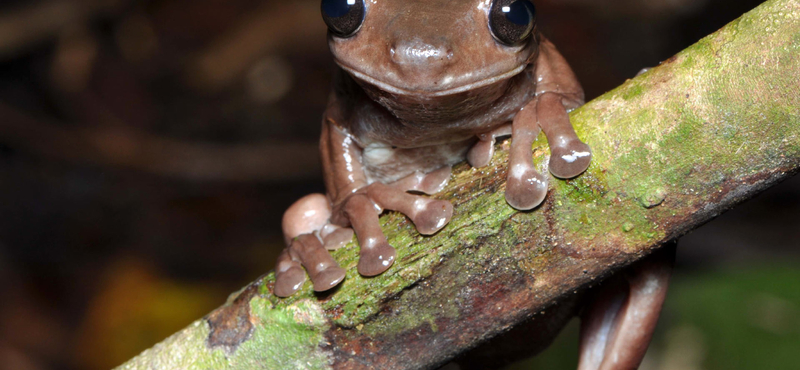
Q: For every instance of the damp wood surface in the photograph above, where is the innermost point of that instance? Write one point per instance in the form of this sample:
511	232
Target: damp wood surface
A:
673	148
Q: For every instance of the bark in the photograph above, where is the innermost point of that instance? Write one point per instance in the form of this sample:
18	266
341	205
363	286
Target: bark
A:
673	148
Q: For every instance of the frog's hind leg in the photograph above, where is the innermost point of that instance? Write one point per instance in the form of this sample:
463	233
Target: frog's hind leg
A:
569	156
302	223
617	326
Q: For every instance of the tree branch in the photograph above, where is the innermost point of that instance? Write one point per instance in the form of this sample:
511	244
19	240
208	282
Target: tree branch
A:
673	148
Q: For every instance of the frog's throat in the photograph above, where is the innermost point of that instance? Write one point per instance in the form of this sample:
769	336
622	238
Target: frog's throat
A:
455	90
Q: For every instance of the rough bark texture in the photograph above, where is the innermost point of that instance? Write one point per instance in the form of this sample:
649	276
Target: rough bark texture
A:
709	128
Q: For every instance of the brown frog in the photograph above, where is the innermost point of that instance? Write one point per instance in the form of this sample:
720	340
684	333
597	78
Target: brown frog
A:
425	84
422	85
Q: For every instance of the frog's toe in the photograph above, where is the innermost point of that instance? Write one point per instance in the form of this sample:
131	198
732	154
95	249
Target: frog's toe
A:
480	155
434	181
428	215
376	259
525	188
328	278
289	281
570	160
335	237
431	215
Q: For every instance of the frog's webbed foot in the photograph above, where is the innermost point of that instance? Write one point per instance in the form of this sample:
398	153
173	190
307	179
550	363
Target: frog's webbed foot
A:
428	215
306	250
617	326
525	186
569	155
308	227
303	223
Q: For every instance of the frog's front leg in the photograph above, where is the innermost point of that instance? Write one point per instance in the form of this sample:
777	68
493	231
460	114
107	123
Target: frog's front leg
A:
557	90
569	156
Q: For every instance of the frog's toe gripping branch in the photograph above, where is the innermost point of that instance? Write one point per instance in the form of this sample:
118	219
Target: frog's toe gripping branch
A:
617	326
306	250
289	274
569	155
428	215
480	155
525	186
300	223
376	254
570	160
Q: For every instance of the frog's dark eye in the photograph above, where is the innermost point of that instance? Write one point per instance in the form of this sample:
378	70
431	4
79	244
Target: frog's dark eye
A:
512	21
343	17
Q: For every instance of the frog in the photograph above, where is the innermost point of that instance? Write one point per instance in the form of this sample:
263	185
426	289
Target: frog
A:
419	86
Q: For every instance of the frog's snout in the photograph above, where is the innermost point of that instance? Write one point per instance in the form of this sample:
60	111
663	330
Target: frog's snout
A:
418	53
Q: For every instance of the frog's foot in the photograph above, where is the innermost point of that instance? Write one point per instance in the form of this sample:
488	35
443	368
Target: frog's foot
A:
362	211
525	187
376	254
617	326
334	236
481	153
569	155
428	215
306	250
570	159
303	224
289	274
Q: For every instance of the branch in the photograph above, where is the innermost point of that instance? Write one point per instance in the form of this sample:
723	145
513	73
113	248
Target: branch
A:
709	128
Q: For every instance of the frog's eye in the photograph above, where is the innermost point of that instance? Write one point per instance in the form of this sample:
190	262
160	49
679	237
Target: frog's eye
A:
512	21
343	17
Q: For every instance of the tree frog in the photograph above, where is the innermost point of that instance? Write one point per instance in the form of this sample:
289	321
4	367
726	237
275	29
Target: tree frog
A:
422	85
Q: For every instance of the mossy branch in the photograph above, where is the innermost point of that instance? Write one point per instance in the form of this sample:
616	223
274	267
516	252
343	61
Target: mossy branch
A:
709	128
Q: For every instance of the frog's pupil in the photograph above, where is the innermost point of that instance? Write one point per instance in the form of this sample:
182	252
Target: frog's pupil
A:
337	8
518	12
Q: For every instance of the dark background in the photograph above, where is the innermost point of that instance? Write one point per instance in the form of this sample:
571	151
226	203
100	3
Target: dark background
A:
148	150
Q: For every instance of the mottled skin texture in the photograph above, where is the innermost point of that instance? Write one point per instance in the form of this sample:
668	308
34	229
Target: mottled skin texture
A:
422	85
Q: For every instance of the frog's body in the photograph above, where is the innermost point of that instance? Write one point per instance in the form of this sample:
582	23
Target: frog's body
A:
422	85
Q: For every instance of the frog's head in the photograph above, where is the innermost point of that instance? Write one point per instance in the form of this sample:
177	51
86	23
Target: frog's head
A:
431	48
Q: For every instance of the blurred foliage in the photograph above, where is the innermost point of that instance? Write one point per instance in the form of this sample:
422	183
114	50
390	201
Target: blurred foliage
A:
727	319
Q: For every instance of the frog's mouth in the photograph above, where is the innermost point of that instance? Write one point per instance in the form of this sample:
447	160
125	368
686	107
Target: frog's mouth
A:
432	93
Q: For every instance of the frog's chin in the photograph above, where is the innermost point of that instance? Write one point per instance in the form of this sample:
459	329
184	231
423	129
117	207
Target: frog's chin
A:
431	93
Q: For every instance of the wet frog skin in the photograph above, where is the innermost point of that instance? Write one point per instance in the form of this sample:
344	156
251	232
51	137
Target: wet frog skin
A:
422	85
